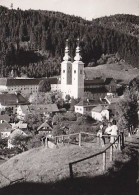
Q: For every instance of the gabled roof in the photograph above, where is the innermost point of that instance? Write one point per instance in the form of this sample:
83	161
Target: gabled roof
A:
17	132
12	99
95	81
19	125
51	108
5	127
98	108
90	103
108	81
25	108
83	103
44	126
45	107
5	117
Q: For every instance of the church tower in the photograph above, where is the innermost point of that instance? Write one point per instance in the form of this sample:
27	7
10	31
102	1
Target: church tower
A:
66	73
77	74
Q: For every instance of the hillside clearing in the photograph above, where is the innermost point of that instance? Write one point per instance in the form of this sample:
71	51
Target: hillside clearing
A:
115	71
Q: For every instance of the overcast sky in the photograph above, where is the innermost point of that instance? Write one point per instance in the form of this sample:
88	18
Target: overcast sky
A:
85	8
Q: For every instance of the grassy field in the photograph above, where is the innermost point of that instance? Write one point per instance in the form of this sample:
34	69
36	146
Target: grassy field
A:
42	164
47	171
120	178
115	71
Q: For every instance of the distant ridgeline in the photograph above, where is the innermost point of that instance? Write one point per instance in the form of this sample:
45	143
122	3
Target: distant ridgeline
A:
33	42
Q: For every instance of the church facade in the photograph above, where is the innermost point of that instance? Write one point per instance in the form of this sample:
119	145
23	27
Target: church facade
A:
72	75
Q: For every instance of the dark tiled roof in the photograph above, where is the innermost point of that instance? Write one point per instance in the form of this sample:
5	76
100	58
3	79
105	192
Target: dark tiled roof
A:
94	82
96	90
17	82
90	103
84	103
13	99
108	81
98	108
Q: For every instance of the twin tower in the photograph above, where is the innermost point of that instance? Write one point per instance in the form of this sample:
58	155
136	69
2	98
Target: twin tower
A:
72	74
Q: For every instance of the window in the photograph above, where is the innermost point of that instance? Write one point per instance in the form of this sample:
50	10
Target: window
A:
81	71
63	71
74	71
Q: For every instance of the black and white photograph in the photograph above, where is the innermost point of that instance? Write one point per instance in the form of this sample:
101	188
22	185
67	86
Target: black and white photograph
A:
69	97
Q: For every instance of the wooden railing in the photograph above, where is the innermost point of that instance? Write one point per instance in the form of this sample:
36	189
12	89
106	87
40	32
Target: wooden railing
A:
118	139
62	138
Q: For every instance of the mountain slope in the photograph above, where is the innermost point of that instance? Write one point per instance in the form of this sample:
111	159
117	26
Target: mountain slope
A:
124	23
33	42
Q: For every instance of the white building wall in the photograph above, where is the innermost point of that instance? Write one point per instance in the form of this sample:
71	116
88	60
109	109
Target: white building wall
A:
55	87
3	88
25	89
66	73
5	134
100	115
79	109
77	79
97	116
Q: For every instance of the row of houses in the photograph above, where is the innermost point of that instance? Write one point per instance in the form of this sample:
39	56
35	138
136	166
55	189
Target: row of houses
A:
98	109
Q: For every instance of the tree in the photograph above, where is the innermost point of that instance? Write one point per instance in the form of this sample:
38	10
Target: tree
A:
126	110
44	86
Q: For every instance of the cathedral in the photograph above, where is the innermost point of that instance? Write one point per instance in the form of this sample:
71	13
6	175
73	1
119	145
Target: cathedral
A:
72	74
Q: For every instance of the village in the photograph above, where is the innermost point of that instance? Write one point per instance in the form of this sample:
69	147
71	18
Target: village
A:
32	109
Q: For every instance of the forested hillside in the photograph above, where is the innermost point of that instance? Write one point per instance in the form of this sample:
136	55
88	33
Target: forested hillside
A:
33	42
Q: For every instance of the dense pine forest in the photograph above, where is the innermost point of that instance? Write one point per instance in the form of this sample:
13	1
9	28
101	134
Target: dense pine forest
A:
32	42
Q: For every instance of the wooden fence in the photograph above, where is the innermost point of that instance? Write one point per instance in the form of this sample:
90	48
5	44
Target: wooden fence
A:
77	136
118	140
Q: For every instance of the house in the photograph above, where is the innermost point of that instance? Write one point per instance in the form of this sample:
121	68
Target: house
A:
10	102
100	113
19	125
16	134
44	128
22	111
85	106
5	130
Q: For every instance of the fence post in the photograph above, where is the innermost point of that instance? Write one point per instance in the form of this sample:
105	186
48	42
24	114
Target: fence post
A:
68	139
79	139
122	139
63	139
119	142
71	172
111	153
56	140
46	142
104	161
